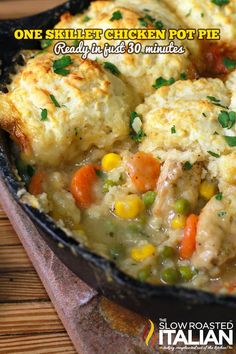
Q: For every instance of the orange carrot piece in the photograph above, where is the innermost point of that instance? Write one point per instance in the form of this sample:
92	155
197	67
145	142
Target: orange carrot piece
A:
144	171
82	184
36	183
188	243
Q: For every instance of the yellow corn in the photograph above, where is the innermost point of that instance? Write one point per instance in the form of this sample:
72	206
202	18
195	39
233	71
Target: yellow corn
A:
129	207
207	190
179	222
110	161
139	254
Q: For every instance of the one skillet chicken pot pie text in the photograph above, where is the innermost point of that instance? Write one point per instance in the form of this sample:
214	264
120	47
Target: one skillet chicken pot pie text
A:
134	156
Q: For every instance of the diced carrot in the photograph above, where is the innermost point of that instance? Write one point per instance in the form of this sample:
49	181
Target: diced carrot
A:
188	243
144	171
82	184
36	183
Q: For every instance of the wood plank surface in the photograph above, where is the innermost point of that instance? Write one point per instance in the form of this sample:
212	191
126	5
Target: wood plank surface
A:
21	286
29	317
44	343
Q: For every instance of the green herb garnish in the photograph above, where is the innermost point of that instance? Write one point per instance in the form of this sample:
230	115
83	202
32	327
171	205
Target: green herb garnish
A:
227	119
60	65
111	67
230	64
187	166
219	196
216	101
189	13
56	104
44	114
45	43
173	130
214	154
231	140
163	82
76	42
183	76
158	24
100	173
86	18
220	2
117	15
221	214
136	136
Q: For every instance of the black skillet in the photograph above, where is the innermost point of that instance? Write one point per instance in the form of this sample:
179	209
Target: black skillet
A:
172	302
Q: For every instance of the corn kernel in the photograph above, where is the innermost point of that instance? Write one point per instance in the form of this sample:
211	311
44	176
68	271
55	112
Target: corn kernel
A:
129	207
179	222
110	161
207	190
139	254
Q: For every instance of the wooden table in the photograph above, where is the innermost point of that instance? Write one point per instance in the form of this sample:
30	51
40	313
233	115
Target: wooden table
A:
28	321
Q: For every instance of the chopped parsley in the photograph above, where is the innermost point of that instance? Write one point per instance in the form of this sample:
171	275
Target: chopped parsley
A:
76	131
204	114
158	24
189	13
230	64
143	22
60	65
216	101
219	196
213	99
202	14
227	119
136	134
100	173
149	20
56	104
117	15
187	166
163	82
173	130
220	2
86	18
221	214
75	42
45	43
111	67
231	140
44	114
183	76
214	154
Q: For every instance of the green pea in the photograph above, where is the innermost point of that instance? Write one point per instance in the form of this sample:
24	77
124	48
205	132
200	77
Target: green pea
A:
170	275
149	198
144	274
168	252
182	206
107	185
186	273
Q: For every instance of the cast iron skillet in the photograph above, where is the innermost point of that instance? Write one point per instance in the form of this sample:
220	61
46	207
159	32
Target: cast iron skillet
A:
172	302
